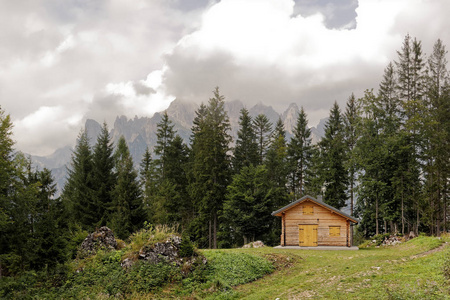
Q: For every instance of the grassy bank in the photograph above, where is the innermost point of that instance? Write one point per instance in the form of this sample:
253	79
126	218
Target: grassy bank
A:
412	270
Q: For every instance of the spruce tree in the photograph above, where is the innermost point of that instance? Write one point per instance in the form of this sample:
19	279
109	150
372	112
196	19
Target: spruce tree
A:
277	162
210	167
351	135
249	201
165	135
332	149
246	149
103	177
299	156
127	213
437	149
78	192
263	130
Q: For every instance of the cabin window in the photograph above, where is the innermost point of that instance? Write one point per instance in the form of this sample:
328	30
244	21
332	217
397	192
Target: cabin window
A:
335	230
308	210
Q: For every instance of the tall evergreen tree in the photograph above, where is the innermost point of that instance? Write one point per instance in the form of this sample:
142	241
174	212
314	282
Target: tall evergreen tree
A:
246	151
437	135
126	212
78	192
179	206
351	136
332	149
263	130
165	135
299	152
210	166
410	88
277	162
103	176
249	202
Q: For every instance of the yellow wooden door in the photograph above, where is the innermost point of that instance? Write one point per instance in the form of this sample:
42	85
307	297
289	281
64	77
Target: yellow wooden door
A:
307	235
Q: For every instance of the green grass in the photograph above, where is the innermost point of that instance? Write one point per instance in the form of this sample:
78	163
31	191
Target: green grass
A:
410	270
397	272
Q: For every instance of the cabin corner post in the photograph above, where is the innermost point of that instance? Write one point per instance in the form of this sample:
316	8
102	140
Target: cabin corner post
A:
348	234
283	225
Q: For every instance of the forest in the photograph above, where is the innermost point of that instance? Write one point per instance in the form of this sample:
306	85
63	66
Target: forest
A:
385	155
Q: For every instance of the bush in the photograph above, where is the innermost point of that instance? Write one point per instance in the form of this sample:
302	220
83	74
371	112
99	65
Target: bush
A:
147	277
231	269
186	247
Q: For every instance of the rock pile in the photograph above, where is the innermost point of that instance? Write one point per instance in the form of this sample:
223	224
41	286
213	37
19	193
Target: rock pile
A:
166	251
102	238
391	240
257	244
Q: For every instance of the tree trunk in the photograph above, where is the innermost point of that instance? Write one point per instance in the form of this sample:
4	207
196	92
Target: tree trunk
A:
376	215
215	230
209	235
403	212
351	196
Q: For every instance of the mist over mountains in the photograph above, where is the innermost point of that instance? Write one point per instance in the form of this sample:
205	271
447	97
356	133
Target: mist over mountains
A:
140	132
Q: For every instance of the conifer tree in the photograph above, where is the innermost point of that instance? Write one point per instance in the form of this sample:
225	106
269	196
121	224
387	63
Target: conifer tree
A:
410	88
210	166
332	149
179	207
78	192
165	135
103	176
246	151
437	129
263	130
249	201
126	212
351	135
277	163
299	153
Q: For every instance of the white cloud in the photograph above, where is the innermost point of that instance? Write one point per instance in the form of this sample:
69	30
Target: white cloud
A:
62	62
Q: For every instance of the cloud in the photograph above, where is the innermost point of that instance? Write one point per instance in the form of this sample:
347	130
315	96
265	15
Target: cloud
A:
63	62
261	50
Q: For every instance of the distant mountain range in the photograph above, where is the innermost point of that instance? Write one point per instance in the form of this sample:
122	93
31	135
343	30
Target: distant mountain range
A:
140	133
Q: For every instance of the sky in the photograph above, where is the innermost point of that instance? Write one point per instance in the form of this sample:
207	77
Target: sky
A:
62	62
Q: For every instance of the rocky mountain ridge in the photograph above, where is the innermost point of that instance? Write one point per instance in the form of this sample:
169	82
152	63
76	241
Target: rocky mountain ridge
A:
140	132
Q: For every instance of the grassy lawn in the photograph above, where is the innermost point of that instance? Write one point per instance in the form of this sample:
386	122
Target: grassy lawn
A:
400	272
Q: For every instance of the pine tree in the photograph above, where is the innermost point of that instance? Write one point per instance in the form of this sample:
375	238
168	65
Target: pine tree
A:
103	176
299	156
351	136
246	149
410	88
210	166
126	212
179	207
437	146
250	199
277	163
263	130
165	135
6	166
332	149
78	192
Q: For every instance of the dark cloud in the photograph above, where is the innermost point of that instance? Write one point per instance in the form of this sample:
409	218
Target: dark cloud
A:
338	14
142	89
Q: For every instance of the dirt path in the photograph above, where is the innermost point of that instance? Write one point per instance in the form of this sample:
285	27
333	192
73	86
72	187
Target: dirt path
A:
440	248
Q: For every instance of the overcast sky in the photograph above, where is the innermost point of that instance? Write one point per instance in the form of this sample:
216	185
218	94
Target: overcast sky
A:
64	61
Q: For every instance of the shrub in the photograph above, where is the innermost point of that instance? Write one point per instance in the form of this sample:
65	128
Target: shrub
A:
186	247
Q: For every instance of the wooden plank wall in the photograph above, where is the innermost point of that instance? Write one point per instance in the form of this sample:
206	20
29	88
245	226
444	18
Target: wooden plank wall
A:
321	216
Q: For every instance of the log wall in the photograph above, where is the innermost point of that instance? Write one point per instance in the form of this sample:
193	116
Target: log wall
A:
321	216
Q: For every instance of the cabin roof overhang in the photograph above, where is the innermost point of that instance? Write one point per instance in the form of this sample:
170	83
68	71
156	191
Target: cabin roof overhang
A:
282	210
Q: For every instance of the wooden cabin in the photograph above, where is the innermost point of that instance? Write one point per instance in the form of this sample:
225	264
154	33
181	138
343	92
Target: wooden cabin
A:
309	222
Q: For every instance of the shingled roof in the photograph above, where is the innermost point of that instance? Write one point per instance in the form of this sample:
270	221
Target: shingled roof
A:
309	198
